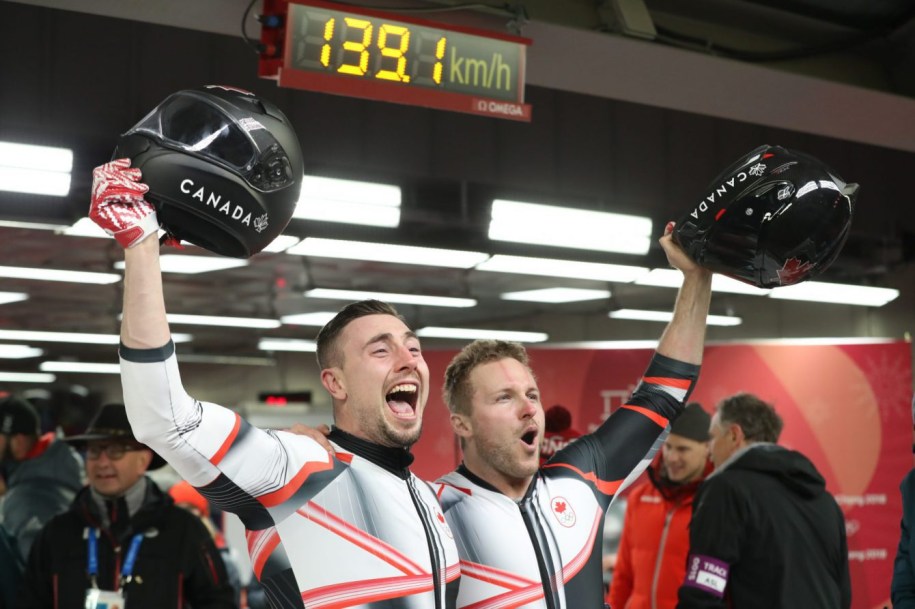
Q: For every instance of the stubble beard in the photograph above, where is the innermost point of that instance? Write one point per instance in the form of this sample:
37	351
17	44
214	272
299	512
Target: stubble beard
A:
500	457
384	433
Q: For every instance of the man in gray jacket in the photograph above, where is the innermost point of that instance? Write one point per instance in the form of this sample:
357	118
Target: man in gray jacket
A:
42	474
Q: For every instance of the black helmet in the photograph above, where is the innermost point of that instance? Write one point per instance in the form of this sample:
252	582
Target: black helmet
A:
224	168
776	217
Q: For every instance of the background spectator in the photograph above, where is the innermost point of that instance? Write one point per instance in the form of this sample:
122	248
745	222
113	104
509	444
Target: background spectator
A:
42	474
558	431
651	558
765	532
125	514
903	586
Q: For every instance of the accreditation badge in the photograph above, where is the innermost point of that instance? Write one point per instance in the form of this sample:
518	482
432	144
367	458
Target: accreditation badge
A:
104	599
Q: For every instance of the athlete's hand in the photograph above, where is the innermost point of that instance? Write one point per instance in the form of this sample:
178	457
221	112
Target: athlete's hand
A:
676	255
318	434
118	205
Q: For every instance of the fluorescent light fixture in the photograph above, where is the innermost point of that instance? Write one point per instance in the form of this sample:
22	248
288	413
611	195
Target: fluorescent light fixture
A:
81	367
287	344
556	295
27	377
839	293
415	299
8	297
84	227
20	272
567	227
78	338
225	360
381	252
41	170
549	267
605	344
348	201
281	244
30	225
669	278
191	265
308	319
19	352
228	322
645	315
474	333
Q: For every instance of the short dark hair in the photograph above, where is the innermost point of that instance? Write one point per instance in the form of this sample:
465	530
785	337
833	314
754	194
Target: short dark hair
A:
327	352
757	419
456	390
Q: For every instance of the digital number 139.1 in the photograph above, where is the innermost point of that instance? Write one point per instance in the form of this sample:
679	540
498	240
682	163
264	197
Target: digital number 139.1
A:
352	45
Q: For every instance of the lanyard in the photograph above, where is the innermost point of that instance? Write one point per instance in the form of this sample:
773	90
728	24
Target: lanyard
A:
129	561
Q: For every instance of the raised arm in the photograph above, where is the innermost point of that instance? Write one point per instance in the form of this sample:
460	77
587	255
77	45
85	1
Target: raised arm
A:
144	325
209	445
623	446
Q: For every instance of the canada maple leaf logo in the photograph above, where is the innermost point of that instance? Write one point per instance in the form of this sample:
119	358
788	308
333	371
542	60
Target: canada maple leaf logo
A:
563	511
260	223
793	271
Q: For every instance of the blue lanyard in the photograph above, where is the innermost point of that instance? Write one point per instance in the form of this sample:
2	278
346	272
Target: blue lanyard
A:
129	561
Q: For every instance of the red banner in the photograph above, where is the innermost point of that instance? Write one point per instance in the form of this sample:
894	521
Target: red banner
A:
847	407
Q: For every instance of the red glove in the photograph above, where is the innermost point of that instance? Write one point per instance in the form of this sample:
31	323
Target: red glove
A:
118	205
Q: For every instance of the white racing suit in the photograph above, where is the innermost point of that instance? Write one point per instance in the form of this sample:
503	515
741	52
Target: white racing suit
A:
353	530
544	551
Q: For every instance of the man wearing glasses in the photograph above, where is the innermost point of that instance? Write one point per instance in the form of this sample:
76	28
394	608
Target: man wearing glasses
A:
123	539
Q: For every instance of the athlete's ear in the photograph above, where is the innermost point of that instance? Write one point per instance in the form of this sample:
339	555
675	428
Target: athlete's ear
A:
333	381
461	425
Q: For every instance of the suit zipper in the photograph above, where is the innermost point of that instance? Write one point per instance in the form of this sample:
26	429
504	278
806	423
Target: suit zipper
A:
435	553
538	539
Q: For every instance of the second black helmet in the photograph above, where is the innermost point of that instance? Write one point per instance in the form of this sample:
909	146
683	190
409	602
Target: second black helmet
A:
776	217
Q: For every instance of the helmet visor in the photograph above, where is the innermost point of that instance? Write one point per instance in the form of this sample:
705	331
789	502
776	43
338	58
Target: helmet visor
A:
196	125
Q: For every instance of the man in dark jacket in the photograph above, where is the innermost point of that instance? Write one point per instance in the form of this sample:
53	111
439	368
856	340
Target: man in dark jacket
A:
42	474
765	532
902	589
123	539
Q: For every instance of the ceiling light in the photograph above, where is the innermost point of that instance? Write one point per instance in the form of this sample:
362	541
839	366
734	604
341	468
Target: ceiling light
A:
566	227
669	278
191	265
8	297
556	295
839	293
81	367
19	272
78	338
30	225
415	299
474	333
225	360
308	319
228	322
549	267
381	252
281	244
287	344
27	377
39	170
605	344
644	315
349	201
84	227
19	352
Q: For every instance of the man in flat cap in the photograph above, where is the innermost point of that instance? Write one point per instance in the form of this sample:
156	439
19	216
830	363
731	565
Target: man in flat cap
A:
123	539
42	475
651	560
